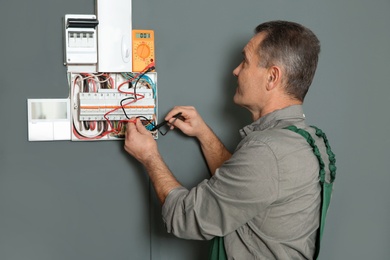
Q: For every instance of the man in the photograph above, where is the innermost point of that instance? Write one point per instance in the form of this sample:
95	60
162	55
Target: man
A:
264	199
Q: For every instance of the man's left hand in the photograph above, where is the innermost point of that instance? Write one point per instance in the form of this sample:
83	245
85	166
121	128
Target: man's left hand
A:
139	142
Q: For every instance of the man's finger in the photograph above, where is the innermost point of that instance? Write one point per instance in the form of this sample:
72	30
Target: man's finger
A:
130	126
140	127
174	111
175	122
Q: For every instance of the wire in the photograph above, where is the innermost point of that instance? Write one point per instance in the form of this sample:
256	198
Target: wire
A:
123	108
79	81
140	76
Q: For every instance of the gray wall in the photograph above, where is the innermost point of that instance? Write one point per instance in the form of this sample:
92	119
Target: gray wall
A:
88	200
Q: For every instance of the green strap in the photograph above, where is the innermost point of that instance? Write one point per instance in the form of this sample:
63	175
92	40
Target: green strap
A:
218	252
327	187
331	155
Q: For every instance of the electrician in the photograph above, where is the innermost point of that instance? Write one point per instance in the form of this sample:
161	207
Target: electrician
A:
265	198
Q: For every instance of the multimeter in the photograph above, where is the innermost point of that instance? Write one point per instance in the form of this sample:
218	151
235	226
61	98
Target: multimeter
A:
143	49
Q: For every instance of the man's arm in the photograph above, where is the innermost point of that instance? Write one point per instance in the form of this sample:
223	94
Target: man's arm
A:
140	144
213	149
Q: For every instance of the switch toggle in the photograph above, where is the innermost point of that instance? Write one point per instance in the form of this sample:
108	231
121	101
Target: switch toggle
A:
80	39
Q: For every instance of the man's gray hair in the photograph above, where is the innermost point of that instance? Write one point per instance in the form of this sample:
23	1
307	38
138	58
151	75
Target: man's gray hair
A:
293	47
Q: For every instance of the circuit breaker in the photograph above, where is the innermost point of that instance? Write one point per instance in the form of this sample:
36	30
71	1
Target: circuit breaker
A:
80	42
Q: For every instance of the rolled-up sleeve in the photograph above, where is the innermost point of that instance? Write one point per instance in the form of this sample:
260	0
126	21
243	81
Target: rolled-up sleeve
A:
241	188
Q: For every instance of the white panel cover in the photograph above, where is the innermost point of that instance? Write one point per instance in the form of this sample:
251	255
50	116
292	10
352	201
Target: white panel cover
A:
114	35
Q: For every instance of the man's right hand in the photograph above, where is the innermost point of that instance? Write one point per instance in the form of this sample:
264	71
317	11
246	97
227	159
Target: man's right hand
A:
192	125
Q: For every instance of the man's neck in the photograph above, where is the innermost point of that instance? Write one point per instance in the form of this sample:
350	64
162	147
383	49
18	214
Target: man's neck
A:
273	106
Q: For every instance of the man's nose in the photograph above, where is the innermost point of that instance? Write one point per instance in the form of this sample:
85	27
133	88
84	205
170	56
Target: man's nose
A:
236	71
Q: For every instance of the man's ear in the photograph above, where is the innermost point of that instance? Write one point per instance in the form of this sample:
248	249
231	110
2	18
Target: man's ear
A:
274	77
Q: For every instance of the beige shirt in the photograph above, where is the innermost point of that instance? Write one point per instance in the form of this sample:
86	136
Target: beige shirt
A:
265	200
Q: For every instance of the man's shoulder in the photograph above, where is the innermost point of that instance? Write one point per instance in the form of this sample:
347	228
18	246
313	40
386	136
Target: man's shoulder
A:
273	135
280	141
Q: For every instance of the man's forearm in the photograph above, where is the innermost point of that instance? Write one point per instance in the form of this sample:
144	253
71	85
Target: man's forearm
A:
162	178
213	150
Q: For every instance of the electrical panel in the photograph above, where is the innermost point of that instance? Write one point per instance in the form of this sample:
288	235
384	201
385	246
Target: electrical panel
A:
104	91
102	103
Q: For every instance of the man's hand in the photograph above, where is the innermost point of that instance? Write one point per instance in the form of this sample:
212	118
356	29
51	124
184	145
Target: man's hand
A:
192	125
139	142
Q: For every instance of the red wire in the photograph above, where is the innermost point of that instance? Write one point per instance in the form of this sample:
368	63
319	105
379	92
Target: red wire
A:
118	129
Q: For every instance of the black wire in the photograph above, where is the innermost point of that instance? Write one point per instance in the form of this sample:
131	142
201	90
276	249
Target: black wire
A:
154	126
135	93
123	108
85	85
135	97
135	86
140	76
104	82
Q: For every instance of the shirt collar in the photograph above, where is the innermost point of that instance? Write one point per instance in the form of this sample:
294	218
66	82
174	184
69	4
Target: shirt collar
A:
291	114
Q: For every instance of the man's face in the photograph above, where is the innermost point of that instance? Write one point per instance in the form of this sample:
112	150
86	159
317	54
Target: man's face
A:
251	77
